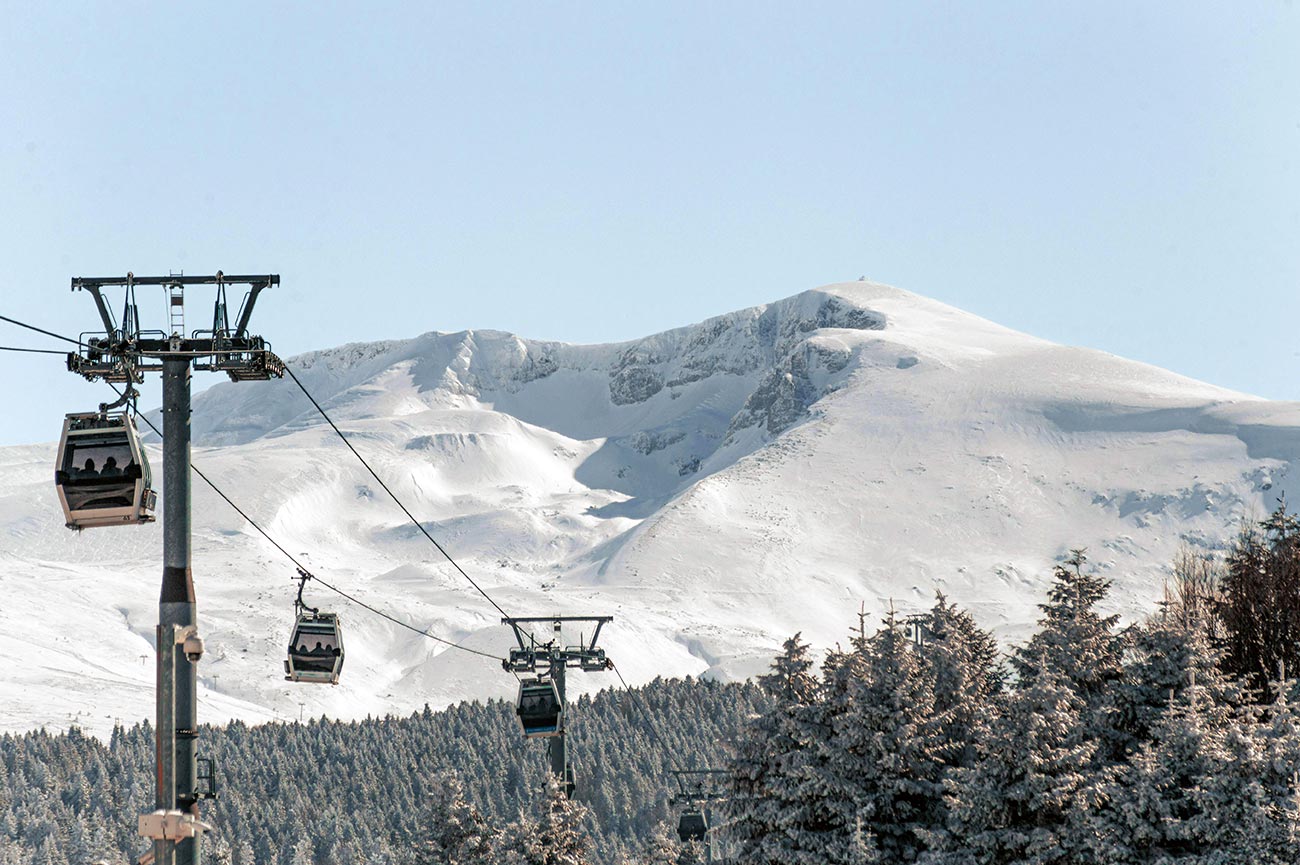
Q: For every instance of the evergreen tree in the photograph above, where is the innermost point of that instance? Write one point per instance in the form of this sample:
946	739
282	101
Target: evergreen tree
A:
806	823
693	853
302	853
964	663
881	775
557	837
1168	651
764	770
455	832
1027	797
1279	764
662	848
1249	829
1190	795
1259	600
1076	643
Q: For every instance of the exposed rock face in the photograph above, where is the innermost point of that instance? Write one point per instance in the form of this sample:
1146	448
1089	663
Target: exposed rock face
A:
834	312
646	443
536	367
786	393
634	383
740	344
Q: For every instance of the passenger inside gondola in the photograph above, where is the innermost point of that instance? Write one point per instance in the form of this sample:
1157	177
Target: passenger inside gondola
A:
317	658
90	487
539	708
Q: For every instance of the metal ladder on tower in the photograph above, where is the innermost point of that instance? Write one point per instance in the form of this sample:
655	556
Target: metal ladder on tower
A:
176	306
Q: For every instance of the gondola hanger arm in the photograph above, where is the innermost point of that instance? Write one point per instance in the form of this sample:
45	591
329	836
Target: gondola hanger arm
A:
129	396
303	577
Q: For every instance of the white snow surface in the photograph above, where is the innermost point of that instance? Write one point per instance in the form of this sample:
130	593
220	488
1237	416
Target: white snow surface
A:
715	488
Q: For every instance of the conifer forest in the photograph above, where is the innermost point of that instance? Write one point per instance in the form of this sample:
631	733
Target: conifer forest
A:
919	739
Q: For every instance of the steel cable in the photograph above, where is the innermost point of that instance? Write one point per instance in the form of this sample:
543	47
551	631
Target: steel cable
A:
380	480
301	567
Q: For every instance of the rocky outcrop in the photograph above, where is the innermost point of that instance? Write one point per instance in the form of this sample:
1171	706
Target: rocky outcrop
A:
646	443
738	344
785	394
633	384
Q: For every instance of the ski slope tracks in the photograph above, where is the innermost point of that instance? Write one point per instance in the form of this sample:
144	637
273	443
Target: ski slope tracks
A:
715	488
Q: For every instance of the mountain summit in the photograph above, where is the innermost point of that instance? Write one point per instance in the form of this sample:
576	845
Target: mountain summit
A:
715	487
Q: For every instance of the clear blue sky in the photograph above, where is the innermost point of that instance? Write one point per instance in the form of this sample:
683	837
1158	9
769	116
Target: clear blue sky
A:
1113	174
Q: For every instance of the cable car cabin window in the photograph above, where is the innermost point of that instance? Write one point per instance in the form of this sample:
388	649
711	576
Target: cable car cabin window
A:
315	650
101	472
325	643
692	826
539	708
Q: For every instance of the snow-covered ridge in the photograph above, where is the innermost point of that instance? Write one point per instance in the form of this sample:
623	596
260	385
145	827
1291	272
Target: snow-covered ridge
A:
716	487
777	339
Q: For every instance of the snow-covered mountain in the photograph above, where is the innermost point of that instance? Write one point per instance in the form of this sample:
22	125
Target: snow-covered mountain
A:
716	488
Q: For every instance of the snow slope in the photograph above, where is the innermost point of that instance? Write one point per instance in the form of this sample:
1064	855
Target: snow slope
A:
715	488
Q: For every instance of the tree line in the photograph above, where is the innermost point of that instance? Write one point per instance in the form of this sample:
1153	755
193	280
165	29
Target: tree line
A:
371	791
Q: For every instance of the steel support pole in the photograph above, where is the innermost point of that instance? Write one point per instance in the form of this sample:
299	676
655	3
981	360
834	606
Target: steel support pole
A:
176	603
164	736
556	745
709	833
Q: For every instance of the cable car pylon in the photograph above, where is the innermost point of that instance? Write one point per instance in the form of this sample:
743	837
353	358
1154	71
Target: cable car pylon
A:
541	703
697	790
121	353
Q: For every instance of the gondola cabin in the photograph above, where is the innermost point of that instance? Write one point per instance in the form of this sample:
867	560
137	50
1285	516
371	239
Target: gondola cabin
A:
539	708
102	474
692	826
315	649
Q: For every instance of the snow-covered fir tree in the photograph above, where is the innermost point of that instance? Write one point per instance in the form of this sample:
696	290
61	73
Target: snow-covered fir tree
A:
556	837
1279	760
664	848
1166	653
454	831
767	767
1249	828
882	765
1190	795
303	853
1081	646
966	667
1028	796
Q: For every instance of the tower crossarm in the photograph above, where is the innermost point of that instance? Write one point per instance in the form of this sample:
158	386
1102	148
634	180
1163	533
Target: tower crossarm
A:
123	353
530	654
